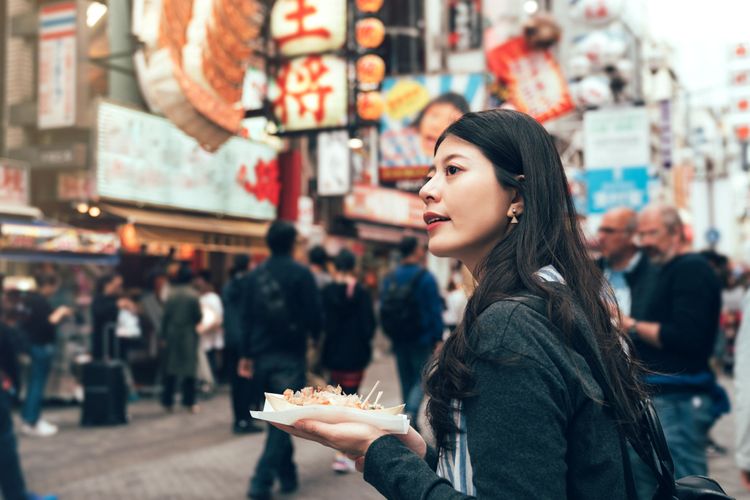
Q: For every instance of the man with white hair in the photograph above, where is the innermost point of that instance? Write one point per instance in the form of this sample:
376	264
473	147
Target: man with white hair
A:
676	339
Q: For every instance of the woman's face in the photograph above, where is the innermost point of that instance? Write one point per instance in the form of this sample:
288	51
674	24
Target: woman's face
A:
465	206
436	118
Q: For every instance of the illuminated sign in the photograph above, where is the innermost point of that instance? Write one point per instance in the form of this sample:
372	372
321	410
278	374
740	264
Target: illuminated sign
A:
308	26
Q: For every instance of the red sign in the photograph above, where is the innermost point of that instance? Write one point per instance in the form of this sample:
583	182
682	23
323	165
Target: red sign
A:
14	183
535	83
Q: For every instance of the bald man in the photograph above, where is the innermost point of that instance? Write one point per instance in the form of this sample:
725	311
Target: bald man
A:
628	271
676	337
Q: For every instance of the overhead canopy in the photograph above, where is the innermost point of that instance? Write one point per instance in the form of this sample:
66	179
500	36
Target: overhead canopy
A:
207	233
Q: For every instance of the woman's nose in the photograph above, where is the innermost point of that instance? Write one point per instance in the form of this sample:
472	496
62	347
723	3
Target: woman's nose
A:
429	191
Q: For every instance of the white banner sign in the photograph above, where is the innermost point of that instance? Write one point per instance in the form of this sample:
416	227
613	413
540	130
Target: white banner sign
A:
57	66
616	138
334	163
143	158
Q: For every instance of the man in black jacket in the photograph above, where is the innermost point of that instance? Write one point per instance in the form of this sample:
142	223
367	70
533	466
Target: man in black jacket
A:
244	394
627	269
676	337
281	311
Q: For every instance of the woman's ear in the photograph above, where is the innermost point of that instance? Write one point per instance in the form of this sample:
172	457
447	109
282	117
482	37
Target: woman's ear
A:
517	200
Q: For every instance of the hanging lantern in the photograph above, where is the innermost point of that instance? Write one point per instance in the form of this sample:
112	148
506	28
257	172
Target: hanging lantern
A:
370	32
370	105
370	69
369	5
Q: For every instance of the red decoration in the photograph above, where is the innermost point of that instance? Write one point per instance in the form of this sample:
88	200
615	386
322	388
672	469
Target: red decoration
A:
370	32
369	5
533	78
370	105
370	69
267	185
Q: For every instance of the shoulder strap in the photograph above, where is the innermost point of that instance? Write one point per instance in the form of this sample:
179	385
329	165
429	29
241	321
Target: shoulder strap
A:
660	465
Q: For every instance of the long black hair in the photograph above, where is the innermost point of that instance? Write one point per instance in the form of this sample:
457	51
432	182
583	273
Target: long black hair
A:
547	233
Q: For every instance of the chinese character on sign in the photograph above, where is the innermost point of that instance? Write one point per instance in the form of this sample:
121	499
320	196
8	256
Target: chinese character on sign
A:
308	26
310	92
267	185
14	186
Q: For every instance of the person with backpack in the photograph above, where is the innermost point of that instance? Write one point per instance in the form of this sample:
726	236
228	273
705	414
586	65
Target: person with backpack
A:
534	395
281	312
411	313
349	326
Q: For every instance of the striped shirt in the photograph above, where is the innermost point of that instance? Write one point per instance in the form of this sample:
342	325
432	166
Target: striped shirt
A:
455	464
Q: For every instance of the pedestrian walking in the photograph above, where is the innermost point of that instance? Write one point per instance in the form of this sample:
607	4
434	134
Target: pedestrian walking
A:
182	314
245	395
12	481
348	329
39	326
282	310
210	329
675	340
516	411
411	313
317	258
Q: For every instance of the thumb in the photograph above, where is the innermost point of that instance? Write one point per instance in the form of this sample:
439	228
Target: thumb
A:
359	464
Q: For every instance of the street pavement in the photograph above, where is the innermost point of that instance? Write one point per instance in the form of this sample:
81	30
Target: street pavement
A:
181	456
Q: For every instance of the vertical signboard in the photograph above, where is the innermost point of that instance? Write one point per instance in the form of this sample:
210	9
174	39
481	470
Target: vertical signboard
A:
57	65
334	163
617	155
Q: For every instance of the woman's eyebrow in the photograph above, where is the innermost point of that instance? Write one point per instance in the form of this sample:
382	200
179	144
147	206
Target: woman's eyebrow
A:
452	156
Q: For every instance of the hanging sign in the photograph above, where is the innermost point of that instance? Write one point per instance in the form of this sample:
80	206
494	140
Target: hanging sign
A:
536	85
308	26
57	66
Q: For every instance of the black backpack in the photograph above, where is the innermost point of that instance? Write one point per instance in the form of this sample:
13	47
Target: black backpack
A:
272	310
399	309
656	455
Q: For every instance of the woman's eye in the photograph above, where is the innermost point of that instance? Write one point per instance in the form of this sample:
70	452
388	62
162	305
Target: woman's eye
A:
451	170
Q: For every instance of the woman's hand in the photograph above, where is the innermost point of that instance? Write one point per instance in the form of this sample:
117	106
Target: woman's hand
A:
353	439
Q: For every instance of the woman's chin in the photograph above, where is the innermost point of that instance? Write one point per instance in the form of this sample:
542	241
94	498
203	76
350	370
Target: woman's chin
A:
440	250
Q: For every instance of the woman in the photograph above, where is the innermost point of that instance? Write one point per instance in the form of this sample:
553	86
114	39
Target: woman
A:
515	410
182	314
349	325
105	310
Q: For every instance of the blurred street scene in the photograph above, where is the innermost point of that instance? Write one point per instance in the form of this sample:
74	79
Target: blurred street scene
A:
173	173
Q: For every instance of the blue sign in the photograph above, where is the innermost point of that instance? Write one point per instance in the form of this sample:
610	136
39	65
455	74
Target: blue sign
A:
713	236
617	187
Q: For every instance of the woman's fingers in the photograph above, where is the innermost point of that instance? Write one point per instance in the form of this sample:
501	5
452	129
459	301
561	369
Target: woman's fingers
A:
359	464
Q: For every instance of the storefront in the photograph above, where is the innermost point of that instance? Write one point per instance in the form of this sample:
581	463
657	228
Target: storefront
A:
174	200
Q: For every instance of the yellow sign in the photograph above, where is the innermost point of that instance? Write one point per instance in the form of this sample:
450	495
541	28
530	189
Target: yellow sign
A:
406	98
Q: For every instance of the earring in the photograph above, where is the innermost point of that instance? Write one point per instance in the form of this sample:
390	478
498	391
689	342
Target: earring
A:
514	220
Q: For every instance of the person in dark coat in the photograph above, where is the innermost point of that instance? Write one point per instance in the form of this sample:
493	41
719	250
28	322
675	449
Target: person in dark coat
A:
182	313
282	312
245	394
349	326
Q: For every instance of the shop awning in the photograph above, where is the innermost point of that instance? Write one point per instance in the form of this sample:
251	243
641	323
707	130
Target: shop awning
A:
207	233
48	241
